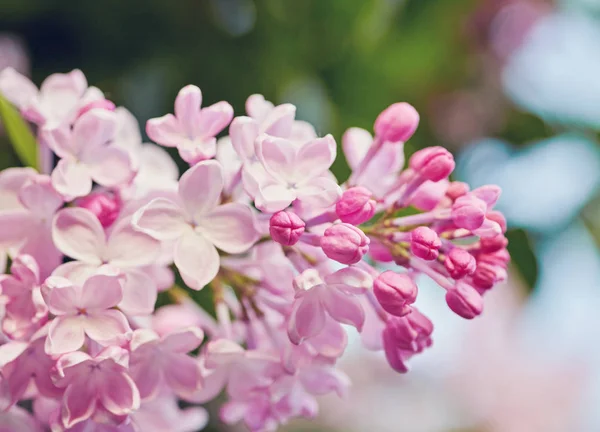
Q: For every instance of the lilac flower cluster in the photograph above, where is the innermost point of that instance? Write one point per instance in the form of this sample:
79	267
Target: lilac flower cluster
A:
288	254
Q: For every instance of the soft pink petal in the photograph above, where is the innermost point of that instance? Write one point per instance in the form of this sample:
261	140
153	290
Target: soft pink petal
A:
230	227
11	181
165	130
106	327
17	88
307	318
76	271
139	293
60	83
197	150
200	188
65	334
381	172
351	279
356	143
278	156
214	119
60	140
187	108
38	196
109	166
61	295
243	132
279	121
314	158
197	260
320	192
343	308
257	107
77	232
161	219
39	244
71	179
182	374
15	226
273	197
182	341
147	375
118	394
127	247
101	292
94	129
79	403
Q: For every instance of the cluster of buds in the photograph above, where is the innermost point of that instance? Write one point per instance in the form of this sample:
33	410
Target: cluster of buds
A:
288	255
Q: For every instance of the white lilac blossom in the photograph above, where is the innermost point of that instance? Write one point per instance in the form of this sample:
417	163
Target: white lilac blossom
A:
287	254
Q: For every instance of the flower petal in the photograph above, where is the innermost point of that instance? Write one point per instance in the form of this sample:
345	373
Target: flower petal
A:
200	188
65	335
127	247
230	227
118	394
109	166
280	121
307	318
278	156
17	88
182	341
356	143
182	374
214	119
197	260
320	192
101	292
77	232
165	130
107	327
15	226
94	129
79	403
139	293
243	132
344	308
187	108
314	158
71	179
161	219
273	197
61	295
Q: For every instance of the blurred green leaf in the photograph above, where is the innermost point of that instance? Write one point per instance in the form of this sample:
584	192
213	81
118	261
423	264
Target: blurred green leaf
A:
522	256
21	138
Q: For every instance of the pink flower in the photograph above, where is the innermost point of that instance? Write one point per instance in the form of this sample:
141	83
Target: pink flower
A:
25	310
405	336
355	206
77	232
192	130
25	226
56	103
344	243
159	361
459	263
105	206
296	171
93	383
286	228
199	224
163	414
464	300
83	310
86	156
433	163
335	296
397	123
395	291
425	243
23	363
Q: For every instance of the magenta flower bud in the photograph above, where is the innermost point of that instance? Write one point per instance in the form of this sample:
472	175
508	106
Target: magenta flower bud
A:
355	206
425	243
286	228
105	206
394	292
459	263
457	189
433	163
487	275
397	123
468	212
404	337
497	217
104	104
464	300
493	244
345	243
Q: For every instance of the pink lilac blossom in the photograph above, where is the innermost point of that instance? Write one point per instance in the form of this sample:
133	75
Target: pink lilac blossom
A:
287	255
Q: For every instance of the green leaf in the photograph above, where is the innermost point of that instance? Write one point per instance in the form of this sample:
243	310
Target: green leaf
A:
19	133
522	256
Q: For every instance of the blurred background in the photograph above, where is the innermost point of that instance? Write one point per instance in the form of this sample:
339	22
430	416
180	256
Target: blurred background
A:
512	87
